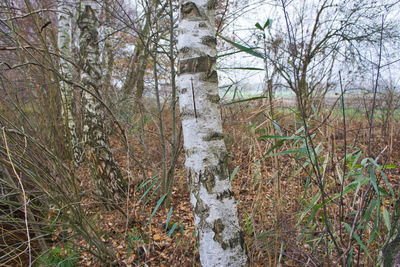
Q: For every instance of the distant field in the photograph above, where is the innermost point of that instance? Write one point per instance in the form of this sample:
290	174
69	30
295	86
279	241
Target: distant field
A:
288	98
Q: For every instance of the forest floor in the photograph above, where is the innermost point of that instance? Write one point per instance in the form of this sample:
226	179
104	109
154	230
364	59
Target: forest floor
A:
272	193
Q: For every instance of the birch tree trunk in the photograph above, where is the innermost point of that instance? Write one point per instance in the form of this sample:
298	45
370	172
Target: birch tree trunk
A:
65	15
220	236
107	54
108	177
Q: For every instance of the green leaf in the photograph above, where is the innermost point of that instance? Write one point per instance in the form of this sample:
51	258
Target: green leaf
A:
152	194
229	88
241	68
292	151
259	26
248	226
148	189
146	182
267	23
278	144
312	204
357	238
168	217
348	189
355	160
383	176
372	178
245	100
390	166
172	229
350	257
249	50
386	219
376	222
234	173
278	137
231	53
157	206
276	126
368	213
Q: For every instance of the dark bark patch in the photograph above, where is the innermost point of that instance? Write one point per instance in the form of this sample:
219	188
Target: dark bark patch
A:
208	179
236	240
213	136
211	4
186	51
210	41
210	76
201	210
218	229
190	176
223	162
183	90
241	241
225	194
197	64
190	11
233	242
187	114
213	98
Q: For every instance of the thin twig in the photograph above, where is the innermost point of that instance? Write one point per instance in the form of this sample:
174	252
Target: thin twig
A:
23	195
194	100
371	124
341	215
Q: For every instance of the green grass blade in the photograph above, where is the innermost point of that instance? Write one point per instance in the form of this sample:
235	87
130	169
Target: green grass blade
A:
279	137
172	229
290	151
157	206
386	218
249	50
245	100
357	238
234	173
168	218
148	189
241	68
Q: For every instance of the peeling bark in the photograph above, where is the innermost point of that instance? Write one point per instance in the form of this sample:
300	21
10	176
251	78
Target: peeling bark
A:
221	240
107	176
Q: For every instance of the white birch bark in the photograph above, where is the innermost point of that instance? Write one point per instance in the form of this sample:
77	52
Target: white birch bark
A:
108	53
108	177
220	236
65	15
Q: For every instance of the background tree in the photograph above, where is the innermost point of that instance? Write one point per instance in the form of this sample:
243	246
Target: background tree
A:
315	49
65	45
108	177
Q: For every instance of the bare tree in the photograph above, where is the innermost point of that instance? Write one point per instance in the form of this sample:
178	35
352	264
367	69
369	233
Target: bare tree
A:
320	35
